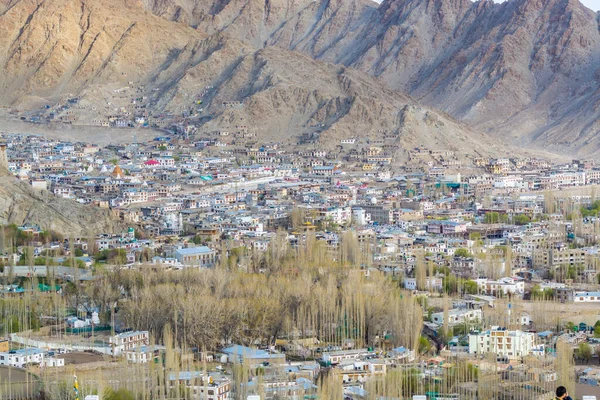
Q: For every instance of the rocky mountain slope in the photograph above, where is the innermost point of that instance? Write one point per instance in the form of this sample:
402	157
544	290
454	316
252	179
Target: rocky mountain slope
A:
20	204
524	69
87	49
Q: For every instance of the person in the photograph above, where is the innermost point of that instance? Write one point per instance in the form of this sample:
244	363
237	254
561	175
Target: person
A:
562	394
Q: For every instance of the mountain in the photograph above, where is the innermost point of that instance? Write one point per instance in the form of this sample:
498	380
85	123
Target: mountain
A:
167	56
528	70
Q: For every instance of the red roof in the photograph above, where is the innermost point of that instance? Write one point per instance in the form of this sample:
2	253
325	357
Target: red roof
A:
151	162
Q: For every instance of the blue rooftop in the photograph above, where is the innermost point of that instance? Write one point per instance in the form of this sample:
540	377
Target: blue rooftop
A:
579	294
247	352
194	250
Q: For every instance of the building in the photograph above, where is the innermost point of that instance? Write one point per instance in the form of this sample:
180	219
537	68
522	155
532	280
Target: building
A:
22	357
458	316
202	386
128	341
430	283
242	354
336	357
586	297
201	256
501	287
504	343
143	354
53	362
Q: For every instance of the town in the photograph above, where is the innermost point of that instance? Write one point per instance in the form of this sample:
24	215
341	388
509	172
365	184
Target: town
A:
451	277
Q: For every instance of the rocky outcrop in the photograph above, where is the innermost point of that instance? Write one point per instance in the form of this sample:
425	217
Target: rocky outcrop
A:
20	204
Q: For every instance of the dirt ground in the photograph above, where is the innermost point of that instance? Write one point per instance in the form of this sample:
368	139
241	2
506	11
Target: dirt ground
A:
81	358
574	312
88	134
16	383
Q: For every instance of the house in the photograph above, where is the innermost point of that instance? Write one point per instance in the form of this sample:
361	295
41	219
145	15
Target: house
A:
143	354
402	354
53	362
22	357
501	287
128	341
242	354
201	256
430	283
586	297
212	386
504	343
458	316
336	357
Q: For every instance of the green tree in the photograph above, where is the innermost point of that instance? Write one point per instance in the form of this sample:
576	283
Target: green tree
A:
462	252
120	394
424	345
521	219
494	217
471	287
536	292
597	329
584	352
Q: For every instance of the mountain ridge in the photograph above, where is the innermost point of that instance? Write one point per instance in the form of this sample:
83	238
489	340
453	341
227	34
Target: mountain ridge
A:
508	69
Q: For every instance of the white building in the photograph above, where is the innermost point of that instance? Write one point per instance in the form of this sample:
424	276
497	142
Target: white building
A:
22	357
359	216
501	287
53	362
201	386
336	357
128	341
143	354
458	316
504	343
430	283
586	297
201	256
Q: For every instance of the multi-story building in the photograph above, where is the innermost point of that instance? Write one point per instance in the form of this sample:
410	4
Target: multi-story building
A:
201	256
504	343
128	341
430	283
458	316
202	386
501	287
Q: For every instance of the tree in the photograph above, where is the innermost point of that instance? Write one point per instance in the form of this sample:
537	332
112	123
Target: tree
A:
424	345
119	394
521	219
597	329
462	252
494	217
584	352
570	326
536	292
471	287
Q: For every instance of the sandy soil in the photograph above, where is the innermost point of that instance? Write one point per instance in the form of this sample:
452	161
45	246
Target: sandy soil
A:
16	383
81	358
88	134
